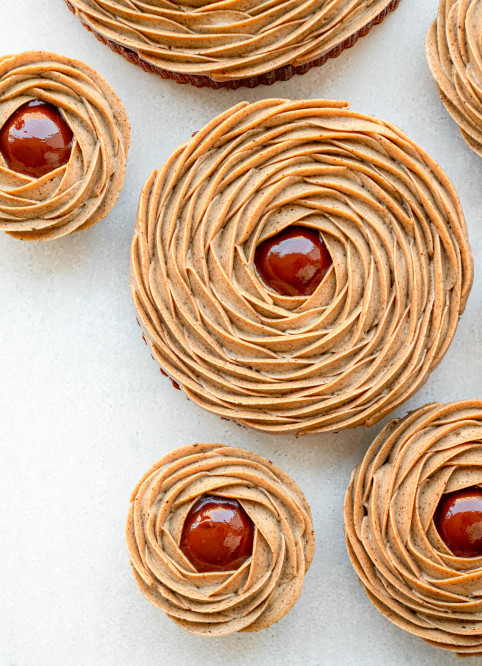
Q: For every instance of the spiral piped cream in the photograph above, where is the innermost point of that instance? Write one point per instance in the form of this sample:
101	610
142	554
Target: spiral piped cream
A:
231	39
380	321
262	589
407	570
83	191
454	54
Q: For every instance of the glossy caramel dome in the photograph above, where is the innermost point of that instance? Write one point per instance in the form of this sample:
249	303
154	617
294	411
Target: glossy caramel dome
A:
459	521
294	261
36	140
217	535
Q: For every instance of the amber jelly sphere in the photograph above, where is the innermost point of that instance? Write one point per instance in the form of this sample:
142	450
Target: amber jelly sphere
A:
35	139
458	519
217	534
294	261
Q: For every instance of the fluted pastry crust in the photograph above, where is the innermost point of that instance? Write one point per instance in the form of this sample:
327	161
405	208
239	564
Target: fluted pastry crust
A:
81	193
266	586
380	321
406	569
230	40
454	54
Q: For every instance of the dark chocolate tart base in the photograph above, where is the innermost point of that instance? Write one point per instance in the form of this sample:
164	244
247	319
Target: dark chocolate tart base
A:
281	74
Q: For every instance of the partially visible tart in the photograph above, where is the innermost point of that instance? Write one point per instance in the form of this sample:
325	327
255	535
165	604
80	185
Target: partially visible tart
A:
230	43
299	267
413	524
454	54
64	137
220	539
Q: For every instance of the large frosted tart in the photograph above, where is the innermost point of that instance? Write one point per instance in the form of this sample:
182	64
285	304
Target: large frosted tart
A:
454	54
230	42
381	319
407	570
260	591
80	193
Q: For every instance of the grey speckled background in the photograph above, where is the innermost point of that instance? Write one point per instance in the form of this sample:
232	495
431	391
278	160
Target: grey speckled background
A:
84	410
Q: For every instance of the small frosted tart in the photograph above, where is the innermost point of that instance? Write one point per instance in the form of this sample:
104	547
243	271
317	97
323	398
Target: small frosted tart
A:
64	137
413	524
454	54
219	539
230	43
299	267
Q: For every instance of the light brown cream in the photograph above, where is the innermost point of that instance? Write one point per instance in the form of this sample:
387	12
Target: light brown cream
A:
454	54
266	586
229	39
377	325
406	569
81	193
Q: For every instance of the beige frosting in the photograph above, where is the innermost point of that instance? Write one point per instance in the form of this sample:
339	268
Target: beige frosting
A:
266	586
454	54
81	193
229	39
406	569
380	321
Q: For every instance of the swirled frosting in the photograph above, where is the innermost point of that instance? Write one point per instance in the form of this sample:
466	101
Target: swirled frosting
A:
229	39
266	586
81	193
380	321
454	54
405	567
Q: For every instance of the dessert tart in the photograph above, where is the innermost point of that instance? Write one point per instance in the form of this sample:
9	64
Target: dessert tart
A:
413	524
454	54
64	136
230	43
299	267
219	539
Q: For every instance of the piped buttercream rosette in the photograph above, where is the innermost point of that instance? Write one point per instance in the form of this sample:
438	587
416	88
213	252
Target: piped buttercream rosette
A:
230	42
266	586
381	319
454	54
82	192
408	572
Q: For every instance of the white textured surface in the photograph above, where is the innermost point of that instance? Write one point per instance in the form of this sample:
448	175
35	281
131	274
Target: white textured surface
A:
84	411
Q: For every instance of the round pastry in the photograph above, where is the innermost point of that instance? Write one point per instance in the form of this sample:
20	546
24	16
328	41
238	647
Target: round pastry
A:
230	43
220	539
454	54
413	524
64	136
299	267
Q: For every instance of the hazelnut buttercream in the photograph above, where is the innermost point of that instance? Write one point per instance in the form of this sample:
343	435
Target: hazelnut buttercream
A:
264	587
454	54
82	192
230	39
407	571
381	319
